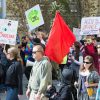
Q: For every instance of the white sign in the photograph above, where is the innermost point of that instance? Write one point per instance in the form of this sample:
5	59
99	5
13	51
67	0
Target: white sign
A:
90	26
8	31
77	31
34	17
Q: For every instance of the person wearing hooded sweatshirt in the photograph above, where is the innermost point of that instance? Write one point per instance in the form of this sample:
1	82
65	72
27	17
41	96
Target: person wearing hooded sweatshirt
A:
67	89
41	75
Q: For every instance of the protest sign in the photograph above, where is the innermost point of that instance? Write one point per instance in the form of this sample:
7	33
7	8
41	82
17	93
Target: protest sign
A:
76	32
90	26
8	31
34	17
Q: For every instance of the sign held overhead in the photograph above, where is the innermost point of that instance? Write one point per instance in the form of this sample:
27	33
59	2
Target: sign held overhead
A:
90	26
34	17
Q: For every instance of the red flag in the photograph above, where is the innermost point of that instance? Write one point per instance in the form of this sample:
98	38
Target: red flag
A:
60	40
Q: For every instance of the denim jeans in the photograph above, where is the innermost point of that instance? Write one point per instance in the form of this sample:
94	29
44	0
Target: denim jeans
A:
12	93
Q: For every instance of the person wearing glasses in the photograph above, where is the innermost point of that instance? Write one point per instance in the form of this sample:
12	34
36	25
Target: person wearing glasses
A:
40	76
14	75
88	80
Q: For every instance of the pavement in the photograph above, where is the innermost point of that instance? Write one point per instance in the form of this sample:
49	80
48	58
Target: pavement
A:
25	82
23	97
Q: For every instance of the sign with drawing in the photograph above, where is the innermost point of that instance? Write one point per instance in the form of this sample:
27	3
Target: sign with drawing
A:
8	31
34	17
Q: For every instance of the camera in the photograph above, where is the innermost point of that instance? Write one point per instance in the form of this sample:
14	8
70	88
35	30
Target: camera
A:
50	92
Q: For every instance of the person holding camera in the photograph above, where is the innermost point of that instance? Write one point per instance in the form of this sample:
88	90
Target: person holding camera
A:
67	90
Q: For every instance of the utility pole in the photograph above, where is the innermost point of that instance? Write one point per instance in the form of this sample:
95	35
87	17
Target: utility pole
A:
3	4
2	9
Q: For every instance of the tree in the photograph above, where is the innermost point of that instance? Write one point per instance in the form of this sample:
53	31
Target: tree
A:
16	11
64	6
89	7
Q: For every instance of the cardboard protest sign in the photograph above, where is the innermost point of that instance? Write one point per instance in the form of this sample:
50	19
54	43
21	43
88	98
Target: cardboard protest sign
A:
90	26
34	17
76	31
8	31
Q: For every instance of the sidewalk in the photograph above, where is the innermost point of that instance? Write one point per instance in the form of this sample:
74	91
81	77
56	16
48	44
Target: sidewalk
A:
23	97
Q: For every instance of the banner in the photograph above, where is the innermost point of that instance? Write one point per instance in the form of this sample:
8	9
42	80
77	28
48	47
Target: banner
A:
8	31
34	17
76	32
90	26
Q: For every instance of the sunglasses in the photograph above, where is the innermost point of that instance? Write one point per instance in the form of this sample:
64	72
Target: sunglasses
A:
34	52
87	62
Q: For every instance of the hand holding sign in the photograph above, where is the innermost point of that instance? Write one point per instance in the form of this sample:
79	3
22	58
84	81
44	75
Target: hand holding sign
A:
90	25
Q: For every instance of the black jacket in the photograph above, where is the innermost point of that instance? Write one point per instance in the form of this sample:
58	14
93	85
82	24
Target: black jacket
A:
14	76
3	66
67	90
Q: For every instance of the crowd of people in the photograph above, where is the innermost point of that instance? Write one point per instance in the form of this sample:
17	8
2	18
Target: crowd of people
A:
80	76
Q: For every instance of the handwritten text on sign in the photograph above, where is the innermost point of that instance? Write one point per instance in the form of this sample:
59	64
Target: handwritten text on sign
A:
90	26
8	31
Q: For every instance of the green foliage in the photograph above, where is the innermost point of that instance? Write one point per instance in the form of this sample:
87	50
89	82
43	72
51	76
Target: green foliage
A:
63	6
53	8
